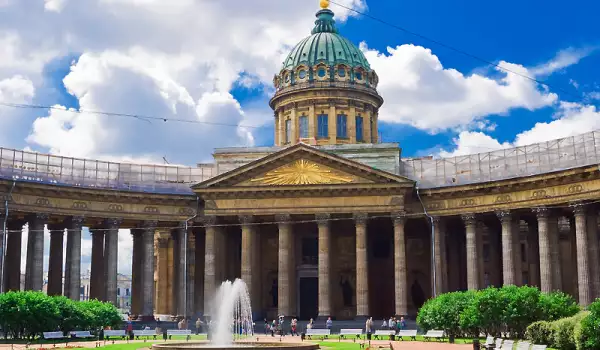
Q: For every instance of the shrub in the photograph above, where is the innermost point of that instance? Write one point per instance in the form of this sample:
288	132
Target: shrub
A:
540	333
557	305
587	334
563	331
521	308
444	312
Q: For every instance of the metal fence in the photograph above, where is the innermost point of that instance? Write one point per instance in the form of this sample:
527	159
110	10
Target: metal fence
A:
543	157
49	169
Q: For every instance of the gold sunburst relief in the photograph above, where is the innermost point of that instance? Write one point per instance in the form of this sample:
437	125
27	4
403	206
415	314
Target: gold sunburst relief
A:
302	172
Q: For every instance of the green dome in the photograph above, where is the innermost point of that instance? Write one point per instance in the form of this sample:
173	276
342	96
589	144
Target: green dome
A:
327	46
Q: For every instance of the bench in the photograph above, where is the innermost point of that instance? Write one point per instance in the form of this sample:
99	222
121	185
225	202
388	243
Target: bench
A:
114	333
323	333
538	347
357	332
523	345
411	333
53	335
81	334
144	333
180	332
489	342
434	334
384	332
506	345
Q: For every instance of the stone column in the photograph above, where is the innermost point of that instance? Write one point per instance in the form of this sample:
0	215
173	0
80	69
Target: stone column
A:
480	228
251	260
439	230
195	273
12	267
111	259
533	252
545	253
472	261
323	221
554	250
136	273
73	258
285	256
149	228
400	273
444	254
180	268
362	267
210	270
516	230
55	265
162	272
34	278
592	232
583	268
97	273
508	266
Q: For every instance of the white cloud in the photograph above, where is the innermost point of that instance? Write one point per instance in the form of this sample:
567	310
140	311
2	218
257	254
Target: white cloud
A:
571	119
419	91
563	59
16	90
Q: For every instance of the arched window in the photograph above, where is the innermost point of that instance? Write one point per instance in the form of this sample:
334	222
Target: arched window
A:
342	128
303	121
359	128
288	131
322	126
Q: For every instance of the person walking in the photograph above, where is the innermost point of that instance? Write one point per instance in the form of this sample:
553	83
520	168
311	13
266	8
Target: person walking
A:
369	327
329	323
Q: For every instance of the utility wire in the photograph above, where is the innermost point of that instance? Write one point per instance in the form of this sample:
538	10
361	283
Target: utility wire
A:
127	115
387	216
462	52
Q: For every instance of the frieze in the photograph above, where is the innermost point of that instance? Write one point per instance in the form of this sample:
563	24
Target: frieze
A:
186	211
469	202
435	205
151	210
572	189
397	201
79	205
43	202
539	194
503	198
117	208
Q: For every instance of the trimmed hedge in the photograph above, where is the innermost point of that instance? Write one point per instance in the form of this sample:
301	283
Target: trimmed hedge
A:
508	309
587	332
29	314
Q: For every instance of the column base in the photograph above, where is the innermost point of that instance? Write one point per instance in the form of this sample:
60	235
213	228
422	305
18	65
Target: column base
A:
147	318
362	318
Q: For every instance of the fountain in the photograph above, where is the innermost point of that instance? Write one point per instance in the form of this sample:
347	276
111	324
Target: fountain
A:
231	325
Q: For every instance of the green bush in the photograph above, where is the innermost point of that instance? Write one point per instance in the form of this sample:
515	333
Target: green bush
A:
587	332
563	331
540	333
28	314
521	308
557	305
443	312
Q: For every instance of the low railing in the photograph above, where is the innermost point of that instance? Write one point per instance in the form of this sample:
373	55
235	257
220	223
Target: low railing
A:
325	84
66	171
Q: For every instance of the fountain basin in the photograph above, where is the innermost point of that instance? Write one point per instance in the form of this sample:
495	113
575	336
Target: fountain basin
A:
245	345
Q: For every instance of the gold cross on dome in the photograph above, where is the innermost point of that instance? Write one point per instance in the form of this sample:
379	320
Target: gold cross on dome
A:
324	4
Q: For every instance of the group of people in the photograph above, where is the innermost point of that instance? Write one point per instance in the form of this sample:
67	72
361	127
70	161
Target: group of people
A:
394	324
277	326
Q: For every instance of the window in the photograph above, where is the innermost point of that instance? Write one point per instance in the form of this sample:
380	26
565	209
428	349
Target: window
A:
127	292
372	131
302	74
359	128
358	76
342	72
119	291
304	127
322	126
288	131
341	126
321	72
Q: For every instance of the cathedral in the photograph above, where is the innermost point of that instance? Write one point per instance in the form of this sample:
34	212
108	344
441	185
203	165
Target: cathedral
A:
328	222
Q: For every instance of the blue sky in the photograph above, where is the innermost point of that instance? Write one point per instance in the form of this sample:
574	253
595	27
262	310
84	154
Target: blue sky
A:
173	66
527	33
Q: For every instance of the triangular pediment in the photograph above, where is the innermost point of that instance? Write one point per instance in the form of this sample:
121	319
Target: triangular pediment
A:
302	165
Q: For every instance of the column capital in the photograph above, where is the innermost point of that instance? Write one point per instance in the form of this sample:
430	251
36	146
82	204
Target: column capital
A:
40	217
181	225
541	212
579	208
469	219
113	223
246	219
399	217
323	218
436	220
285	218
504	215
149	224
360	218
76	222
209	220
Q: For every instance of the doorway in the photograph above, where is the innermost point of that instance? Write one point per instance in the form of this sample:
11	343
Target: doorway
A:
309	297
